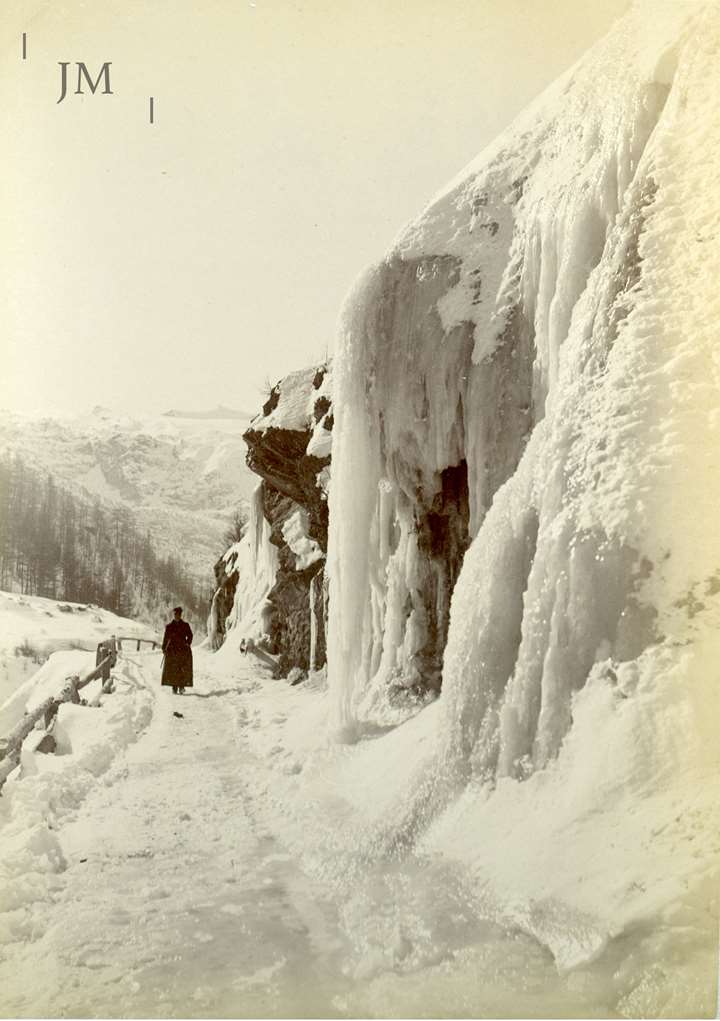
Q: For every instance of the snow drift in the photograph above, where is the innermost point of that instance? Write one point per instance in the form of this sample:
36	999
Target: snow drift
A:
48	788
524	490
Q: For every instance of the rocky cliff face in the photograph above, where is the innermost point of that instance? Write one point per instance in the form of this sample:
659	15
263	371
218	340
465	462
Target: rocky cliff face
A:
226	580
289	449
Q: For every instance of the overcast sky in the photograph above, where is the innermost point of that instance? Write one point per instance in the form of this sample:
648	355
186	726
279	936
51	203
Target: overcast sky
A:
184	263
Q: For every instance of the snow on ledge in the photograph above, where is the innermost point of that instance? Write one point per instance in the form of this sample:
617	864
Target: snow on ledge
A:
295	534
291	410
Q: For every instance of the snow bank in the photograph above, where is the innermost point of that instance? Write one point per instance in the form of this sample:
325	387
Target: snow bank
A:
436	878
32	628
46	788
44	683
622	830
523	501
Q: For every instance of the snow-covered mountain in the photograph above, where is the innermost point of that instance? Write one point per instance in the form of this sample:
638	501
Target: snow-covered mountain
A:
182	476
523	520
220	412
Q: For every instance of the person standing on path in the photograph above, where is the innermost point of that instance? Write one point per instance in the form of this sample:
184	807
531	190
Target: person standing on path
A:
177	668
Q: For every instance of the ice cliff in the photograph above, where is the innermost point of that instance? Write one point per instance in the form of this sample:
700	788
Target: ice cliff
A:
524	497
270	585
525	387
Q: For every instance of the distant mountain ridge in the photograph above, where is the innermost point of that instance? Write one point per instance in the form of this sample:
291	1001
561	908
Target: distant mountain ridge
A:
221	412
183	478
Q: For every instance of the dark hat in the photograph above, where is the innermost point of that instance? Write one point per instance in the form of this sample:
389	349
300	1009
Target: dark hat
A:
177	609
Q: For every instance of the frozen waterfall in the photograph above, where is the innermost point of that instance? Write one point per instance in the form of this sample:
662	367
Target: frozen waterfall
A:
521	386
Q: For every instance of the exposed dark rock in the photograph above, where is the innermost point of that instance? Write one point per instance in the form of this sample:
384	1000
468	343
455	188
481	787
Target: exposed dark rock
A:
46	745
222	603
273	400
443	538
278	456
290	596
318	596
322	406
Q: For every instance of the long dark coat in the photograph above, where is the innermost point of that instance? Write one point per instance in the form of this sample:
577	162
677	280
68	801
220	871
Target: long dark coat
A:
177	669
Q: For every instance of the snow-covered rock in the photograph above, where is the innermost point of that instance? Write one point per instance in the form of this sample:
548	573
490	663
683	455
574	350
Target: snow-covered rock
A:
271	584
295	531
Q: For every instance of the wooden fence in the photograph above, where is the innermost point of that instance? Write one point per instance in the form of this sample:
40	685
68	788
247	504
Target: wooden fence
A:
11	746
148	641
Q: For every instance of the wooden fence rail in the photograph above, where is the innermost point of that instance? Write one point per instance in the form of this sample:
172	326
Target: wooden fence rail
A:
131	638
11	746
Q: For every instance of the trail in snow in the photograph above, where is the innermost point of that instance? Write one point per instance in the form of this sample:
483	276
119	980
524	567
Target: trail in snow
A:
178	901
174	901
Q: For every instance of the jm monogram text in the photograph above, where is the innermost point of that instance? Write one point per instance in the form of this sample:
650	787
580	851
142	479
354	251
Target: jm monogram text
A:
83	75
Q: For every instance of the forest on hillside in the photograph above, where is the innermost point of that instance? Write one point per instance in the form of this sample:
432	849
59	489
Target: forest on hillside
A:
63	545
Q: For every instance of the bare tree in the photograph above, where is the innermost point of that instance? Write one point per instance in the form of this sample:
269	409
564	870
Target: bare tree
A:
235	529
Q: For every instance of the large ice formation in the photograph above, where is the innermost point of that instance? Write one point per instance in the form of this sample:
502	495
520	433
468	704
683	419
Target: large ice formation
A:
529	376
524	498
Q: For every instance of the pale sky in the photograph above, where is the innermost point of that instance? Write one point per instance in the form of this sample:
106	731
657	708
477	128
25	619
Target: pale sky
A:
181	264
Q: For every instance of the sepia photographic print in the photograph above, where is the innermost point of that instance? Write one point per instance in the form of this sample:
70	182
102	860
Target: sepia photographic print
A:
359	508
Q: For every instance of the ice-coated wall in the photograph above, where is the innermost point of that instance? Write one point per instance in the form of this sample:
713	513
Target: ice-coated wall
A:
526	422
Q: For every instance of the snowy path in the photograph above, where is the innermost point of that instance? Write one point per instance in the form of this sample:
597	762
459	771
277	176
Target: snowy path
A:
174	902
